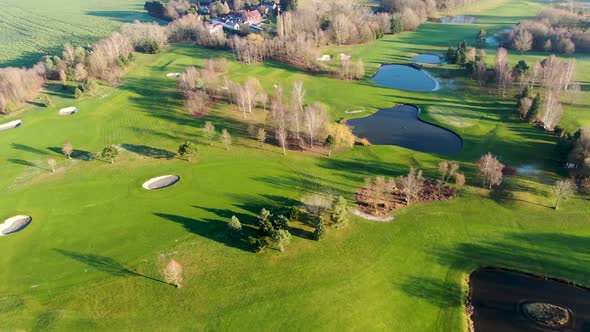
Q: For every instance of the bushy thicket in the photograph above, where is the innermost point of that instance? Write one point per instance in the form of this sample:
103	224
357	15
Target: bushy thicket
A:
554	30
17	85
171	10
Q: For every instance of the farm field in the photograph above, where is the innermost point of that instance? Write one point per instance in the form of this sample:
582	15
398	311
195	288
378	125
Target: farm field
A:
90	258
31	29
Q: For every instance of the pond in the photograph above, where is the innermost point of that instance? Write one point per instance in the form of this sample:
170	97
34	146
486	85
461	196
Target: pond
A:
502	301
405	77
401	126
428	58
460	19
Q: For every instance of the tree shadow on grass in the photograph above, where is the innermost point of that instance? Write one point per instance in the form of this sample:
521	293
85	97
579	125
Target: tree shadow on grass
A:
76	154
23	162
27	148
148	151
212	229
104	264
437	292
564	256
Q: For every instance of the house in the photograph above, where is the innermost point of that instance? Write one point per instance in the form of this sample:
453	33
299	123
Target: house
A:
215	28
252	17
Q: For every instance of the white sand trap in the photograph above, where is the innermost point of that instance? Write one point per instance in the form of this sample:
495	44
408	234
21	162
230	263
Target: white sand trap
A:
371	217
354	112
161	182
14	224
68	111
173	75
11	125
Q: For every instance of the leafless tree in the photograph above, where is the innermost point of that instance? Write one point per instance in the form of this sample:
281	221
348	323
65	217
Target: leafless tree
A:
297	102
502	71
67	149
196	103
459	181
563	190
524	107
51	162
522	40
412	184
552	110
480	72
225	139
261	136
489	169
209	131
172	273
315	118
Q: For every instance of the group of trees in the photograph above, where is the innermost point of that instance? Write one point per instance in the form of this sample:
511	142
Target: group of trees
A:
149	37
550	78
413	12
554	30
171	10
17	86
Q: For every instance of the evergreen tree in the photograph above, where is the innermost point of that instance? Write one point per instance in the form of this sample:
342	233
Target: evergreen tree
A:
188	150
451	55
481	38
340	211
534	111
78	93
320	230
397	26
329	143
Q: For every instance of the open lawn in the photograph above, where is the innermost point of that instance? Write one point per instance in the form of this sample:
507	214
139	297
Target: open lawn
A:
33	28
90	258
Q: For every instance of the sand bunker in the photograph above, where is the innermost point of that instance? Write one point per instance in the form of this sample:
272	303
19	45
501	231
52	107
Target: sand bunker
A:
371	217
11	125
173	75
354	112
68	111
161	182
14	224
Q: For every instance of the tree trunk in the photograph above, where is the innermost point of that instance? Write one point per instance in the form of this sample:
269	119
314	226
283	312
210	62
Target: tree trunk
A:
557	204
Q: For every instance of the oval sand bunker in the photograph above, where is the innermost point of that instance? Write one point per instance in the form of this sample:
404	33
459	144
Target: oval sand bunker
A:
68	111
173	75
11	125
14	224
161	182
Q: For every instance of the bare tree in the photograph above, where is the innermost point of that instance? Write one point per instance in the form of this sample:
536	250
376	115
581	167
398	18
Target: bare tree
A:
67	149
225	139
563	190
209	131
261	136
480	72
525	107
522	40
196	102
315	118
172	273
281	136
552	110
489	169
297	102
412	184
502	71
51	162
459	181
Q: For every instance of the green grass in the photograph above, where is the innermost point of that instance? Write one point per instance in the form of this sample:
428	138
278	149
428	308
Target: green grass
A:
93	224
33	28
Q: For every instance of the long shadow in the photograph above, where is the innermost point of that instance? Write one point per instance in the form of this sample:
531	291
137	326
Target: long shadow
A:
76	154
23	162
564	256
27	148
148	151
104	264
212	229
435	291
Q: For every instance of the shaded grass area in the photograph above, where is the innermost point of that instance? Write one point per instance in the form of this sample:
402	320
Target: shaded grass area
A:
96	230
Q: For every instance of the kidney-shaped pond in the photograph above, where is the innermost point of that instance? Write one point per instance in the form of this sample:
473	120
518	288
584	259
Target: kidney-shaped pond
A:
509	301
405	77
401	126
